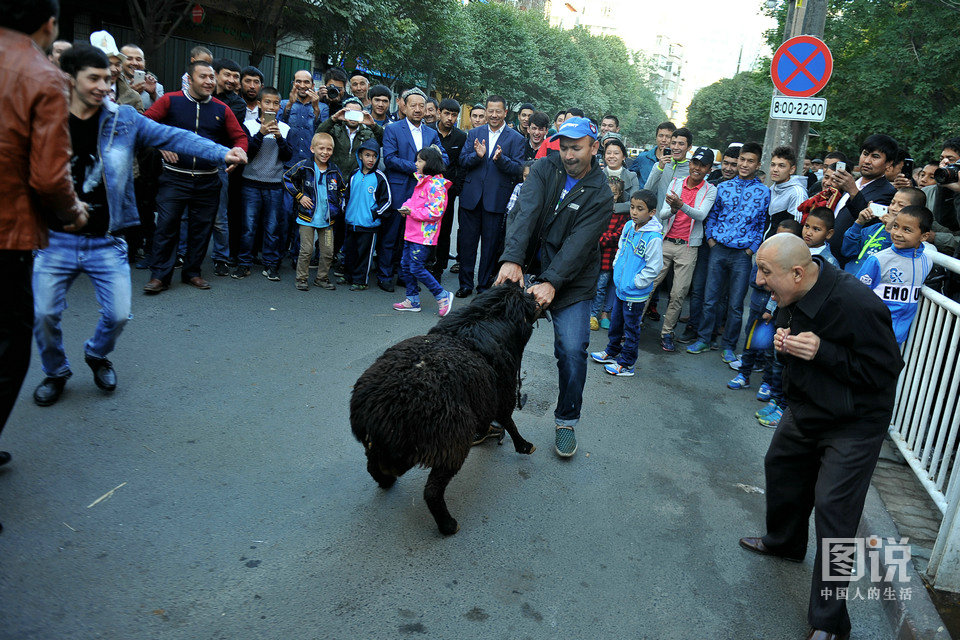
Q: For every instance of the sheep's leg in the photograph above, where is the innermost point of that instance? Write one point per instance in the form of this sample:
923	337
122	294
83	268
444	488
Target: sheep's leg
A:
433	495
521	445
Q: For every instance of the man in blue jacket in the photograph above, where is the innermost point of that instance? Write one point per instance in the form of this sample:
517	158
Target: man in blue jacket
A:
493	160
734	231
402	140
104	138
647	160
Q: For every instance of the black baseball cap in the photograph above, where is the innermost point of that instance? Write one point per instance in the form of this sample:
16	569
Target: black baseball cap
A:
703	155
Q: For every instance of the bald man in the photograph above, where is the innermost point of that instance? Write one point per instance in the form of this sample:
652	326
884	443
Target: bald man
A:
841	364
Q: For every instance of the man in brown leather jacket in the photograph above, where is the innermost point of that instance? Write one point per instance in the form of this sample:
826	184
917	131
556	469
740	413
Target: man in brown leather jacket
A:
35	181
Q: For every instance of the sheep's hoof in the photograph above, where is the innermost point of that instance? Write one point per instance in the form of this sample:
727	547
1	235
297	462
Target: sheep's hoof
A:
449	528
531	449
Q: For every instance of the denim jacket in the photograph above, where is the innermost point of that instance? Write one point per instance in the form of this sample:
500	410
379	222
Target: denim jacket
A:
122	132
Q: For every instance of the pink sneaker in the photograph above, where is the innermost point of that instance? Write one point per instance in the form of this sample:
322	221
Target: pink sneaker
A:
406	305
445	304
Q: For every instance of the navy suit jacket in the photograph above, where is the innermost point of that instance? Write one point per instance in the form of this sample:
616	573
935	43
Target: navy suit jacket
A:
399	156
879	191
489	183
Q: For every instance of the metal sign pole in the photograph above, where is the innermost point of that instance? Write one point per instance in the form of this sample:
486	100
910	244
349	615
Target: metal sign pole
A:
804	17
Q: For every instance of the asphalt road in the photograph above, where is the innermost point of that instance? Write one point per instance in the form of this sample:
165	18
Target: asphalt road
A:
246	510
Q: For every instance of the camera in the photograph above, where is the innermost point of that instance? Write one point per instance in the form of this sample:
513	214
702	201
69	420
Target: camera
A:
947	174
333	92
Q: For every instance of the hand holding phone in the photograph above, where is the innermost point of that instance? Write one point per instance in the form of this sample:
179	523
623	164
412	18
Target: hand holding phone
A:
878	210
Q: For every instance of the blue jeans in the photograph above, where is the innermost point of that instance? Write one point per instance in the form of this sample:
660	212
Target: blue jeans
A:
773	376
727	267
55	268
625	326
603	301
262	206
413	268
571	335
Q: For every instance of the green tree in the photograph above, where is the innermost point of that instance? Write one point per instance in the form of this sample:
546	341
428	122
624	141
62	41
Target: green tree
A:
731	110
894	73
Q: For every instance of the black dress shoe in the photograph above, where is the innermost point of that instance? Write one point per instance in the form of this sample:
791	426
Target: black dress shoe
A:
5	457
819	634
103	374
756	545
386	286
463	292
49	391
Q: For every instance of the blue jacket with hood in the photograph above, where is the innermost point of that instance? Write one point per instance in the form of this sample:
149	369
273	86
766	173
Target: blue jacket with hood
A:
368	194
639	260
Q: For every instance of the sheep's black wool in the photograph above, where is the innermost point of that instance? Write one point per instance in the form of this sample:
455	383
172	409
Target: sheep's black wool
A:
424	399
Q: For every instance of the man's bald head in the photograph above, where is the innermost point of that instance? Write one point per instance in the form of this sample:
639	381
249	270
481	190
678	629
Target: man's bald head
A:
786	250
785	268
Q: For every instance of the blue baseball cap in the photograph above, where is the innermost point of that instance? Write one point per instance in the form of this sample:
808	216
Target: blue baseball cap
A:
576	127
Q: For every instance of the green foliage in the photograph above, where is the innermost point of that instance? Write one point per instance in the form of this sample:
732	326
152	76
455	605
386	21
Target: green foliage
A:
731	110
894	73
468	52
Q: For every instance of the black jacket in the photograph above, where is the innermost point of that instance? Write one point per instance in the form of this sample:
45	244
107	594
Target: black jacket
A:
453	145
849	387
879	191
567	233
236	104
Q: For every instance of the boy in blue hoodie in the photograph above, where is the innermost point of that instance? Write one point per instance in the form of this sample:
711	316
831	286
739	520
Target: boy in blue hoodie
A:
368	196
896	274
318	190
870	234
637	264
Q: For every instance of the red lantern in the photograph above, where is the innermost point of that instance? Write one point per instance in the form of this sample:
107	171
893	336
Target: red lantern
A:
197	14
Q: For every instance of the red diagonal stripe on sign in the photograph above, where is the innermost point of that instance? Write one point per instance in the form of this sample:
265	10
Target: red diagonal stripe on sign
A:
801	67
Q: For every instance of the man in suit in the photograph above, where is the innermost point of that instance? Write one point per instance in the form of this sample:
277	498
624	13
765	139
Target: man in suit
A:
877	153
401	142
493	160
452	140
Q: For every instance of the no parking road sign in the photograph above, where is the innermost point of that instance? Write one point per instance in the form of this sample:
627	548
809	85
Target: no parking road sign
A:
801	67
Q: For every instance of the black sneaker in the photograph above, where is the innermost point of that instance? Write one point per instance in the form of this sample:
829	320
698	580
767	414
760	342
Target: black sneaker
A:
272	274
179	263
221	268
240	272
652	314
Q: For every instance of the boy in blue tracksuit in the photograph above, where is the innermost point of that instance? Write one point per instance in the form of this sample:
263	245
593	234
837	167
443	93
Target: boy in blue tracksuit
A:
870	234
637	264
368	196
318	191
896	274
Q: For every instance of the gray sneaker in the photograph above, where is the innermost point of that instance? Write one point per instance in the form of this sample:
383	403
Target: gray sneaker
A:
565	441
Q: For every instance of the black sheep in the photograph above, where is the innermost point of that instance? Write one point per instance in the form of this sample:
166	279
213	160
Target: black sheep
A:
423	400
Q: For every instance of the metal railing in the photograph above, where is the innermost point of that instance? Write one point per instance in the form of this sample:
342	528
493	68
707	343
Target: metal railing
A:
926	418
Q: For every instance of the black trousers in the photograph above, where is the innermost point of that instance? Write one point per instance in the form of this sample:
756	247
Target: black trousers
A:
236	213
443	239
357	255
16	326
486	229
199	196
830	472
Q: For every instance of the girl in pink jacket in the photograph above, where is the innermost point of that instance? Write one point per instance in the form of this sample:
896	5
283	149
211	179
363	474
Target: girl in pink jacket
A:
423	211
